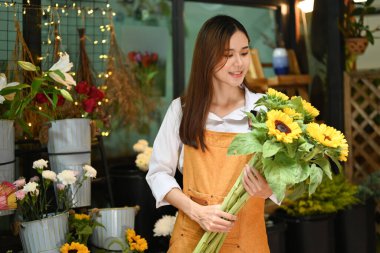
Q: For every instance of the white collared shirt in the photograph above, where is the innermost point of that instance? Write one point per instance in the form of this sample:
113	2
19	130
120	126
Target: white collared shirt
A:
167	148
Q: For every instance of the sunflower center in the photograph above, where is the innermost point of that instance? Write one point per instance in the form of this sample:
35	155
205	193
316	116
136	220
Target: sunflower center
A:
72	251
327	138
280	126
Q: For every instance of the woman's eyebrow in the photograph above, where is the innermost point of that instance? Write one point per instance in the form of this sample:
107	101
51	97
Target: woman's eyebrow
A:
230	49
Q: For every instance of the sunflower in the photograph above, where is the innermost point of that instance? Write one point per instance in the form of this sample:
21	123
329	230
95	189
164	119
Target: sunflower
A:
135	242
292	113
282	126
81	216
74	247
273	93
311	110
327	136
343	151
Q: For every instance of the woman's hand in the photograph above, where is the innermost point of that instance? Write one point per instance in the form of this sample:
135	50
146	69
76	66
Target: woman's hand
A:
255	184
212	219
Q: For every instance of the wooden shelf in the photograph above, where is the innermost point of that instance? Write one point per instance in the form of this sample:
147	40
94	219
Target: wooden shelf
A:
289	80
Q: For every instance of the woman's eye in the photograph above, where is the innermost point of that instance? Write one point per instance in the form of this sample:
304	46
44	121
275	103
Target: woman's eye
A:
244	54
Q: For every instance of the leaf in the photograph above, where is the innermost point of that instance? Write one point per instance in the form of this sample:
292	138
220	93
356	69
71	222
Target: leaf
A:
259	125
271	148
61	75
316	176
244	144
86	230
297	192
278	190
12	89
325	165
291	148
305	147
36	84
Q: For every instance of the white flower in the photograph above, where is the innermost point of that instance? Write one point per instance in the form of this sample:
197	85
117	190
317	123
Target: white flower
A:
140	146
142	161
49	175
61	187
90	171
40	164
3	84
164	226
67	177
30	187
63	65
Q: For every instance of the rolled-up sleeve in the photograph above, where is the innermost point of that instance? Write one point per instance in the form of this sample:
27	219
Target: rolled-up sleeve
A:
164	160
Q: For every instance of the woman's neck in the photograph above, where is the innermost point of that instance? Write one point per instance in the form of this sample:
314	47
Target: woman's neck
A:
226	99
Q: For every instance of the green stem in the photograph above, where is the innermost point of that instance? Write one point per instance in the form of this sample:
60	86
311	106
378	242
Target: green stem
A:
311	155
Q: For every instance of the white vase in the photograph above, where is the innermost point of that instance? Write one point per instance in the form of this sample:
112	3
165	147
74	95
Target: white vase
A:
69	148
46	235
280	61
115	221
7	150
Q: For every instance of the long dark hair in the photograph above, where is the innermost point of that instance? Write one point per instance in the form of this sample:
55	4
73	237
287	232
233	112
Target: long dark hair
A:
212	41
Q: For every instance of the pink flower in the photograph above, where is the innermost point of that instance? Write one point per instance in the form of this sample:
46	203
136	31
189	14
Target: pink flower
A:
20	194
60	187
19	182
34	179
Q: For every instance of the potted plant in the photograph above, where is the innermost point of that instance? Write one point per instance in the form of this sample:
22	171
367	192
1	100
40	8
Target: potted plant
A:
310	219
357	34
355	225
43	227
15	98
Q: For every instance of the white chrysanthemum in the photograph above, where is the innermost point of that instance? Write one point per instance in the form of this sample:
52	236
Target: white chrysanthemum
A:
49	175
40	164
67	177
164	226
142	161
140	146
90	171
148	150
30	187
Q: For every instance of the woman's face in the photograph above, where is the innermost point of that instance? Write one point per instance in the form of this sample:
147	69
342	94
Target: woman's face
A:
232	68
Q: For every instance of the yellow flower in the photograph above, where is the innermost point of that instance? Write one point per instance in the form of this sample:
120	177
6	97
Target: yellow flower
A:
135	241
277	94
311	110
326	135
81	216
74	247
343	151
282	126
292	113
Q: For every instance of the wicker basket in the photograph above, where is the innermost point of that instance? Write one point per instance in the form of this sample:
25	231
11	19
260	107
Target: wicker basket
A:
356	46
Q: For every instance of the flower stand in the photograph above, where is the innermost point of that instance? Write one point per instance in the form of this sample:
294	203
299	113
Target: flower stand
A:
115	221
7	150
46	235
69	148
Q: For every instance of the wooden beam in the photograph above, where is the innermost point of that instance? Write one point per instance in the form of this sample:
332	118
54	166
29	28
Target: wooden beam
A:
178	48
31	25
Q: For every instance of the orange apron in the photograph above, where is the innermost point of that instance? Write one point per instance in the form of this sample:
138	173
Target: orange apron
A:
207	178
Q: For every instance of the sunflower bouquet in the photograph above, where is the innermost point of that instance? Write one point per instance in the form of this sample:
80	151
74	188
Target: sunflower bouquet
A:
134	242
288	148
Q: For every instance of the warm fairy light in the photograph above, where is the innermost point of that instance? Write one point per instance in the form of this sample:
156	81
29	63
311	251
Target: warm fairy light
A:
108	5
104	41
28	2
40	108
90	12
113	14
106	75
79	11
96	42
105	133
99	103
75	103
104	13
63	10
106	100
58	37
29	124
109	72
40	58
24	11
56	5
100	75
74	4
306	6
49	41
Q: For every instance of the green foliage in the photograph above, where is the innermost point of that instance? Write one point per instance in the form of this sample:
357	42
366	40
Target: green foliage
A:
330	197
81	226
370	187
353	25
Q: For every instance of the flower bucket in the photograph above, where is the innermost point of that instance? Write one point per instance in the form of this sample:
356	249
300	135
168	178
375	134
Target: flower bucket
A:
115	221
7	150
46	235
69	148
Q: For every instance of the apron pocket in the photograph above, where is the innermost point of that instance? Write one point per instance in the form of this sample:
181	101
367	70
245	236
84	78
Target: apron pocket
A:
207	199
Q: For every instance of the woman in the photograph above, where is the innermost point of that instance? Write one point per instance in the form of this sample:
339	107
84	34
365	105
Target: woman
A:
195	135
